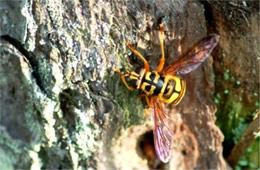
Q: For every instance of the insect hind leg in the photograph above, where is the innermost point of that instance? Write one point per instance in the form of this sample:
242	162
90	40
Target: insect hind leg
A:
148	101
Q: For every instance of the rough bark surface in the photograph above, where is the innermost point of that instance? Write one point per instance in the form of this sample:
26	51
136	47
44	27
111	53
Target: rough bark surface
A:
237	74
62	107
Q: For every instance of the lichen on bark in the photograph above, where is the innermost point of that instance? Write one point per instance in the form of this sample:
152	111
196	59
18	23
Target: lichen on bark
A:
62	107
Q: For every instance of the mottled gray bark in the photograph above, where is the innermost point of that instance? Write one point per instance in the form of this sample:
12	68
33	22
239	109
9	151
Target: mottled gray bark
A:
63	107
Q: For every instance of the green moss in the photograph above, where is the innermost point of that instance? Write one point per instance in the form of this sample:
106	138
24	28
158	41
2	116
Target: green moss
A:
237	131
131	107
233	117
250	160
252	154
226	75
81	131
229	117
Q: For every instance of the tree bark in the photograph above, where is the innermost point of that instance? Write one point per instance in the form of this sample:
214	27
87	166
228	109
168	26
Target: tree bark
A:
62	107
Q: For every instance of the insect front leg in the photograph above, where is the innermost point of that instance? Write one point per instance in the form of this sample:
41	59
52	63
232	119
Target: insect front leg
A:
146	65
123	78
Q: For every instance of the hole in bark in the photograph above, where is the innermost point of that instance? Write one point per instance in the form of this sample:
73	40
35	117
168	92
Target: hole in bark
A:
146	150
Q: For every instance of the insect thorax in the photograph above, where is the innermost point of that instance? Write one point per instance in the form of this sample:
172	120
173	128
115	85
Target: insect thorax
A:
152	83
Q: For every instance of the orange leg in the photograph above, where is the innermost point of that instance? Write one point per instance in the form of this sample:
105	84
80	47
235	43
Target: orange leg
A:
123	78
146	65
140	96
162	61
148	101
146	111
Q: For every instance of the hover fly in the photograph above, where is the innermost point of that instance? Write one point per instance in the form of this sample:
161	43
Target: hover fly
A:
163	86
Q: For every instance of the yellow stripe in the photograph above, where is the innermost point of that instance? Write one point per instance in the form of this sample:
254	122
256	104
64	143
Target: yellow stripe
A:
177	84
140	78
157	76
181	95
173	97
170	90
152	90
149	93
133	77
144	84
180	88
134	74
166	80
147	76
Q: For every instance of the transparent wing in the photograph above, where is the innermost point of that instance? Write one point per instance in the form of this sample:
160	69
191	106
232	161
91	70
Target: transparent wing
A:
163	131
191	59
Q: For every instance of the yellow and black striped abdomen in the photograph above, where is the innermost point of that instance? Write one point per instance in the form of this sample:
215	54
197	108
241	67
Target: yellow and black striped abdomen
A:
173	90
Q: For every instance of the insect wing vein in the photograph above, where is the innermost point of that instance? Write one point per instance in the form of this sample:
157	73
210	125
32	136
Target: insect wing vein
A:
163	132
191	59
